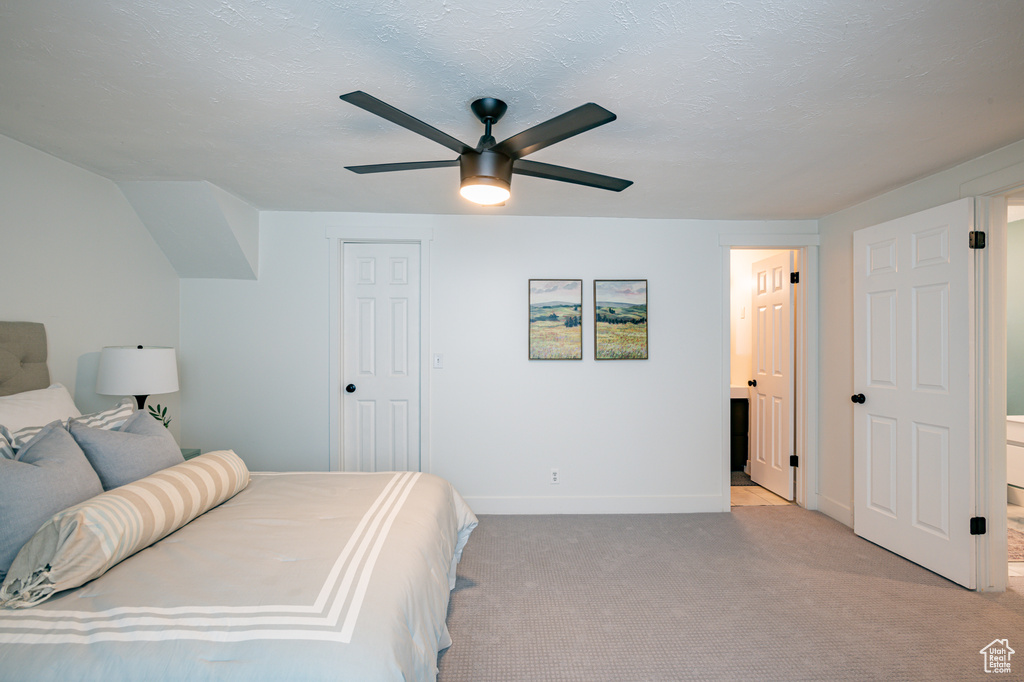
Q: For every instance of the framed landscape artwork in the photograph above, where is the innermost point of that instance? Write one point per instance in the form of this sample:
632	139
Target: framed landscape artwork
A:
620	319
556	312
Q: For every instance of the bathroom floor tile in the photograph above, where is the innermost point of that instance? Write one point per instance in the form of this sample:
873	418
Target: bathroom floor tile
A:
754	496
1015	517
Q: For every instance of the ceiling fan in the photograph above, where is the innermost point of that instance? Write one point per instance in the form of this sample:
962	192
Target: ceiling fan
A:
487	169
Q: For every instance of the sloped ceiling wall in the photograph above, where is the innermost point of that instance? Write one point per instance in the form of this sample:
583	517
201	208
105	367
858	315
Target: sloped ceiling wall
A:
204	231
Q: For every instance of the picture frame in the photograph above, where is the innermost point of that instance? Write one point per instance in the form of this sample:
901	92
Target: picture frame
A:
556	319
620	319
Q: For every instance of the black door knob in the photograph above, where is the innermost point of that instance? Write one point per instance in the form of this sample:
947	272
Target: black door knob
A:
859	398
752	382
351	388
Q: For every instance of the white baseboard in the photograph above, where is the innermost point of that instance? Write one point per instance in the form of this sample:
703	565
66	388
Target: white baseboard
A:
675	504
1015	495
840	512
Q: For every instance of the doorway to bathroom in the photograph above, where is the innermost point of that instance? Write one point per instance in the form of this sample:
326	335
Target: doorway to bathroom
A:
803	249
763	368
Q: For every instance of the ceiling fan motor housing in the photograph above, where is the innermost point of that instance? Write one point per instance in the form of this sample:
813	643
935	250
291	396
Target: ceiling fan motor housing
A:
486	168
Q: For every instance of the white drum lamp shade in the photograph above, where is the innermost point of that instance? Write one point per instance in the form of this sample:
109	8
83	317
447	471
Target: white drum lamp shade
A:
140	371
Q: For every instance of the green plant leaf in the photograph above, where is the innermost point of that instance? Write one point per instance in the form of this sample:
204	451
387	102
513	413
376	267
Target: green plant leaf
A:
160	414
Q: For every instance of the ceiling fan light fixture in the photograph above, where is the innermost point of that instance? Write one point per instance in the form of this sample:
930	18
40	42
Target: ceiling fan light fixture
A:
486	177
485	191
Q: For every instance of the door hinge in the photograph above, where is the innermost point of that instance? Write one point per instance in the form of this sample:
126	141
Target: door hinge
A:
978	525
794	460
794	278
977	239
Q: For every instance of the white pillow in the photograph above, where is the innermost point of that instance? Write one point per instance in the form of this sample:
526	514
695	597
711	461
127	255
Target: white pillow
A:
37	408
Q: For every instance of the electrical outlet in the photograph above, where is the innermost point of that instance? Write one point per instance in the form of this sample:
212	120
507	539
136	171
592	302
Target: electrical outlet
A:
555	477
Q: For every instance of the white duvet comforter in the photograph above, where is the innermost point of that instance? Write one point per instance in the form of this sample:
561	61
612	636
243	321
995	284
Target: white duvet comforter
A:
298	577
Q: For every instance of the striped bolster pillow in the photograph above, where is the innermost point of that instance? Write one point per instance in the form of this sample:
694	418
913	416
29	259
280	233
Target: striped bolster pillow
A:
86	540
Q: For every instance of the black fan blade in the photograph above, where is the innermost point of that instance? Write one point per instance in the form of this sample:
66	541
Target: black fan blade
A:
578	177
385	110
579	120
411	165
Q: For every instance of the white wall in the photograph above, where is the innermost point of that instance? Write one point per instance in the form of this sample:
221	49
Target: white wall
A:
626	435
76	258
835	479
254	354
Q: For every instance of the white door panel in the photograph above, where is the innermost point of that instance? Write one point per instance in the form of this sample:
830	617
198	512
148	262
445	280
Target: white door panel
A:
772	408
381	302
913	434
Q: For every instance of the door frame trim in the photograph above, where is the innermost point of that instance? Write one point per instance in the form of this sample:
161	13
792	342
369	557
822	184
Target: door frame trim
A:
338	237
805	362
991	192
989	373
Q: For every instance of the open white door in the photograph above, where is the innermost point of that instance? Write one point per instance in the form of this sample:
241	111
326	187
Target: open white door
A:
914	458
772	398
381	367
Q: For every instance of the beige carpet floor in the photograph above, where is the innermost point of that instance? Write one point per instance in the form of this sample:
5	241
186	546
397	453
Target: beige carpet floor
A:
763	593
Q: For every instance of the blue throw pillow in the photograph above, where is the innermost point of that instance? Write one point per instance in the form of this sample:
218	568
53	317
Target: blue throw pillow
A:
140	447
50	475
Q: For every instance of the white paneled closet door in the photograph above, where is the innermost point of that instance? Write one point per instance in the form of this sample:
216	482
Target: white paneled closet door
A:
914	448
381	364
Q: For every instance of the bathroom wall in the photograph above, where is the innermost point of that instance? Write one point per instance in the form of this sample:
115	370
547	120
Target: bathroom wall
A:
1015	317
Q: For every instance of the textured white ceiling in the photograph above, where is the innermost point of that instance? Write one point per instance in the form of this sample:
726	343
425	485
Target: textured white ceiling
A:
727	108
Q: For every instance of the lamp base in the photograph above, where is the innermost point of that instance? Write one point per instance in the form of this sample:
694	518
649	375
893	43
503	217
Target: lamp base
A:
141	400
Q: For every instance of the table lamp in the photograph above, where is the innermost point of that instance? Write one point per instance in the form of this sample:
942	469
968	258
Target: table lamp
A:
140	371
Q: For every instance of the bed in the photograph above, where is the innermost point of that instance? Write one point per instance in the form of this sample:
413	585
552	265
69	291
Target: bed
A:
309	576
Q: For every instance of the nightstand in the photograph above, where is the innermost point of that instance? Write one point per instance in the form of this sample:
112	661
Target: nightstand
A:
189	453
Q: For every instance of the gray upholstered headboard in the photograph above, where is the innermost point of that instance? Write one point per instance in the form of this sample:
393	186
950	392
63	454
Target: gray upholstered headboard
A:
22	357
